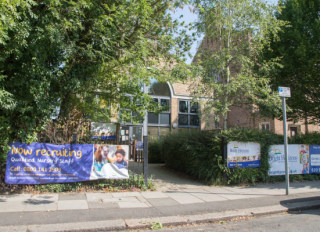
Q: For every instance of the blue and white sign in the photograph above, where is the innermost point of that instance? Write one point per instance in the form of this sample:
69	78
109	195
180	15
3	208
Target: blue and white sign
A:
284	92
314	158
298	157
243	155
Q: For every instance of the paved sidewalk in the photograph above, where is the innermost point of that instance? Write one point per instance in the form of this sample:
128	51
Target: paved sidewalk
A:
123	210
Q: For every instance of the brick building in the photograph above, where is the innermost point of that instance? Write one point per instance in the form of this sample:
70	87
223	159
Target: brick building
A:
180	113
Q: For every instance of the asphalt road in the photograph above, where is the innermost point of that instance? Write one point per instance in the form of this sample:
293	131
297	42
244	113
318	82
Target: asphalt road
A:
292	222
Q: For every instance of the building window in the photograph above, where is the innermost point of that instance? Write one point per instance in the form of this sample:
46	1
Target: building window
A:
188	114
162	118
264	126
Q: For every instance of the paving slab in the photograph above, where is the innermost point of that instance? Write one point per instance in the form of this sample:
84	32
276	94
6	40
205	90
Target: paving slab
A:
14	228
208	197
162	201
45	197
218	190
123	205
98	196
72	196
40	205
236	196
72	204
149	195
13	206
14	197
125	194
183	198
229	193
102	205
143	200
250	192
121	199
303	190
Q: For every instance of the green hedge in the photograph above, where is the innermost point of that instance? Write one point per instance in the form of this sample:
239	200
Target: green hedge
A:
200	154
154	151
196	153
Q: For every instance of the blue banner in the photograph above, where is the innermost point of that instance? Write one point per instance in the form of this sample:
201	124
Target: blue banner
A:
314	158
247	164
112	138
41	163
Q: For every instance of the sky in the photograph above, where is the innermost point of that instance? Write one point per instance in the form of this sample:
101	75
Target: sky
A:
190	17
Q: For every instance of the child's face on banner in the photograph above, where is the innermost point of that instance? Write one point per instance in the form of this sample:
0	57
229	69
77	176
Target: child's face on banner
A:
119	157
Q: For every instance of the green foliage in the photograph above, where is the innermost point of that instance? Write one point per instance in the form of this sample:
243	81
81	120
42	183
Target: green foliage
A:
235	32
309	138
135	182
155	151
61	53
200	154
156	226
297	46
197	154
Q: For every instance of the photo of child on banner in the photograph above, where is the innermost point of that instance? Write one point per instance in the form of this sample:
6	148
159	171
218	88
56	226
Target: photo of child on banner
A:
110	162
304	158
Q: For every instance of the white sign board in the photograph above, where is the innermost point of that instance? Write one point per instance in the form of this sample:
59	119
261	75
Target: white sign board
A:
243	155
284	92
110	162
298	156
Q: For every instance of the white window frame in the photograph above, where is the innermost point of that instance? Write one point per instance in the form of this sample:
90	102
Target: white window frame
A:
164	112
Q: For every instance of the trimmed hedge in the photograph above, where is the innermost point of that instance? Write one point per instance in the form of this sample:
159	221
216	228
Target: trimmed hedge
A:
154	151
200	154
196	153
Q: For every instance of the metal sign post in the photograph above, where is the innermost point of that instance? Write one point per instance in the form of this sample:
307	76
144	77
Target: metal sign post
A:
145	142
284	92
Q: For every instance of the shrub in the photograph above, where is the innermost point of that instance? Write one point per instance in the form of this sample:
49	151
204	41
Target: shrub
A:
197	153
200	154
155	151
310	138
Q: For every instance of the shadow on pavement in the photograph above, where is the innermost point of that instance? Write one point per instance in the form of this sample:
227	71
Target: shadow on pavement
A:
38	202
302	204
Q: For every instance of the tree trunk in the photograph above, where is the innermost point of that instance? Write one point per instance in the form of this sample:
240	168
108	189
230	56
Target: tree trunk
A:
306	124
65	101
225	124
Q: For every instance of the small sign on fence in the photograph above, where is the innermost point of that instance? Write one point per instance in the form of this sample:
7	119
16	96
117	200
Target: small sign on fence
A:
243	155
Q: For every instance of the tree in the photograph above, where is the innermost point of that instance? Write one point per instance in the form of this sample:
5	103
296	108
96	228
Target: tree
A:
298	46
235	31
61	53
